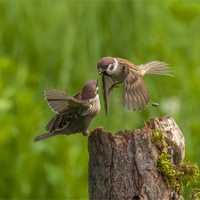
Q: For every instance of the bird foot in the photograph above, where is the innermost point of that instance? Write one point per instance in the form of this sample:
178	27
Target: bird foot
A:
85	133
113	86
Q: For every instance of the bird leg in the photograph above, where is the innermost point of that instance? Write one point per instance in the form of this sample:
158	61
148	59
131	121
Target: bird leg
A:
113	86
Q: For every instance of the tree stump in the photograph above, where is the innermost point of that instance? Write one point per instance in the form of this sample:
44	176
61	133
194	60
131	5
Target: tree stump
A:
124	165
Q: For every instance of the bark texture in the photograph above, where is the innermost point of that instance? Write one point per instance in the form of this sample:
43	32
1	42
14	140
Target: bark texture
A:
124	166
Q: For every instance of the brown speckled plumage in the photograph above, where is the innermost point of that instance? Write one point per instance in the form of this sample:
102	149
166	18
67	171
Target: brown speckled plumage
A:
73	114
135	93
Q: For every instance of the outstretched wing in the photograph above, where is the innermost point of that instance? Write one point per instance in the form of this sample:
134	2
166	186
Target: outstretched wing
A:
66	107
135	92
155	67
107	83
60	102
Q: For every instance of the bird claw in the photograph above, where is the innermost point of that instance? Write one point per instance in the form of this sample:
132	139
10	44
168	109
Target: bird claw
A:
113	86
86	133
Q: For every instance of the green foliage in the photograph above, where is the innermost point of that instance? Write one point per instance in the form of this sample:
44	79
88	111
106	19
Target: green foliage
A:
58	44
195	195
174	175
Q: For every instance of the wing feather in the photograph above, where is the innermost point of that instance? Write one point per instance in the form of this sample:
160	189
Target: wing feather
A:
58	123
107	83
60	102
145	92
136	94
141	93
155	67
134	100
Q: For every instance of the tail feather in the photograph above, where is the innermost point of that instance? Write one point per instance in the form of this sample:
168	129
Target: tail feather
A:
44	136
156	67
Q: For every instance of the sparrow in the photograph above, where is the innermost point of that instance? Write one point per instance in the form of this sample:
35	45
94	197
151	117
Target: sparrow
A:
135	92
73	114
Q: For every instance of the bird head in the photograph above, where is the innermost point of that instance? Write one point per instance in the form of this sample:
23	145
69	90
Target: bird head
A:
90	90
107	66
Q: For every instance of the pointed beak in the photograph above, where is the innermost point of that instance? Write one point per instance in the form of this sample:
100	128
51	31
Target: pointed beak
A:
101	70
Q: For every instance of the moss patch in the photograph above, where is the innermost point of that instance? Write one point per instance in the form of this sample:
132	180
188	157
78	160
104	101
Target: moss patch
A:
159	140
176	176
195	194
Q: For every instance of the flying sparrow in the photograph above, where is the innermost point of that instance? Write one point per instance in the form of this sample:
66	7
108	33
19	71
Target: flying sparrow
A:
135	91
73	114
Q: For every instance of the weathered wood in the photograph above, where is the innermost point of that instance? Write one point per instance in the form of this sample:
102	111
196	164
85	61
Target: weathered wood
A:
172	132
124	166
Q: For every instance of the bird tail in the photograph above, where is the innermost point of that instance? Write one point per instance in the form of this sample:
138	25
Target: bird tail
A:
156	67
44	136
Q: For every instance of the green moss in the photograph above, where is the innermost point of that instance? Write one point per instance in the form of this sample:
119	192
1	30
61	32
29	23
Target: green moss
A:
171	175
195	195
176	176
159	140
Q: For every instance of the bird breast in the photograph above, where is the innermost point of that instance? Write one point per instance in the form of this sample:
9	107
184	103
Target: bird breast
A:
96	105
118	75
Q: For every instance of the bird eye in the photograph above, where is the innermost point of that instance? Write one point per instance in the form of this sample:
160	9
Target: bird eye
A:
111	67
107	66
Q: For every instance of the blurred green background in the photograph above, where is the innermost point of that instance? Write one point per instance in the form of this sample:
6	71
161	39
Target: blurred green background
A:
58	44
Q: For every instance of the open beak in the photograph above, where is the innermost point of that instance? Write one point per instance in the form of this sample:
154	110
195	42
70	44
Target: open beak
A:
101	70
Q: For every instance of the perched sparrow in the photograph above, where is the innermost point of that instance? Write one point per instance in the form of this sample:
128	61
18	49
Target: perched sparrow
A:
135	91
73	114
